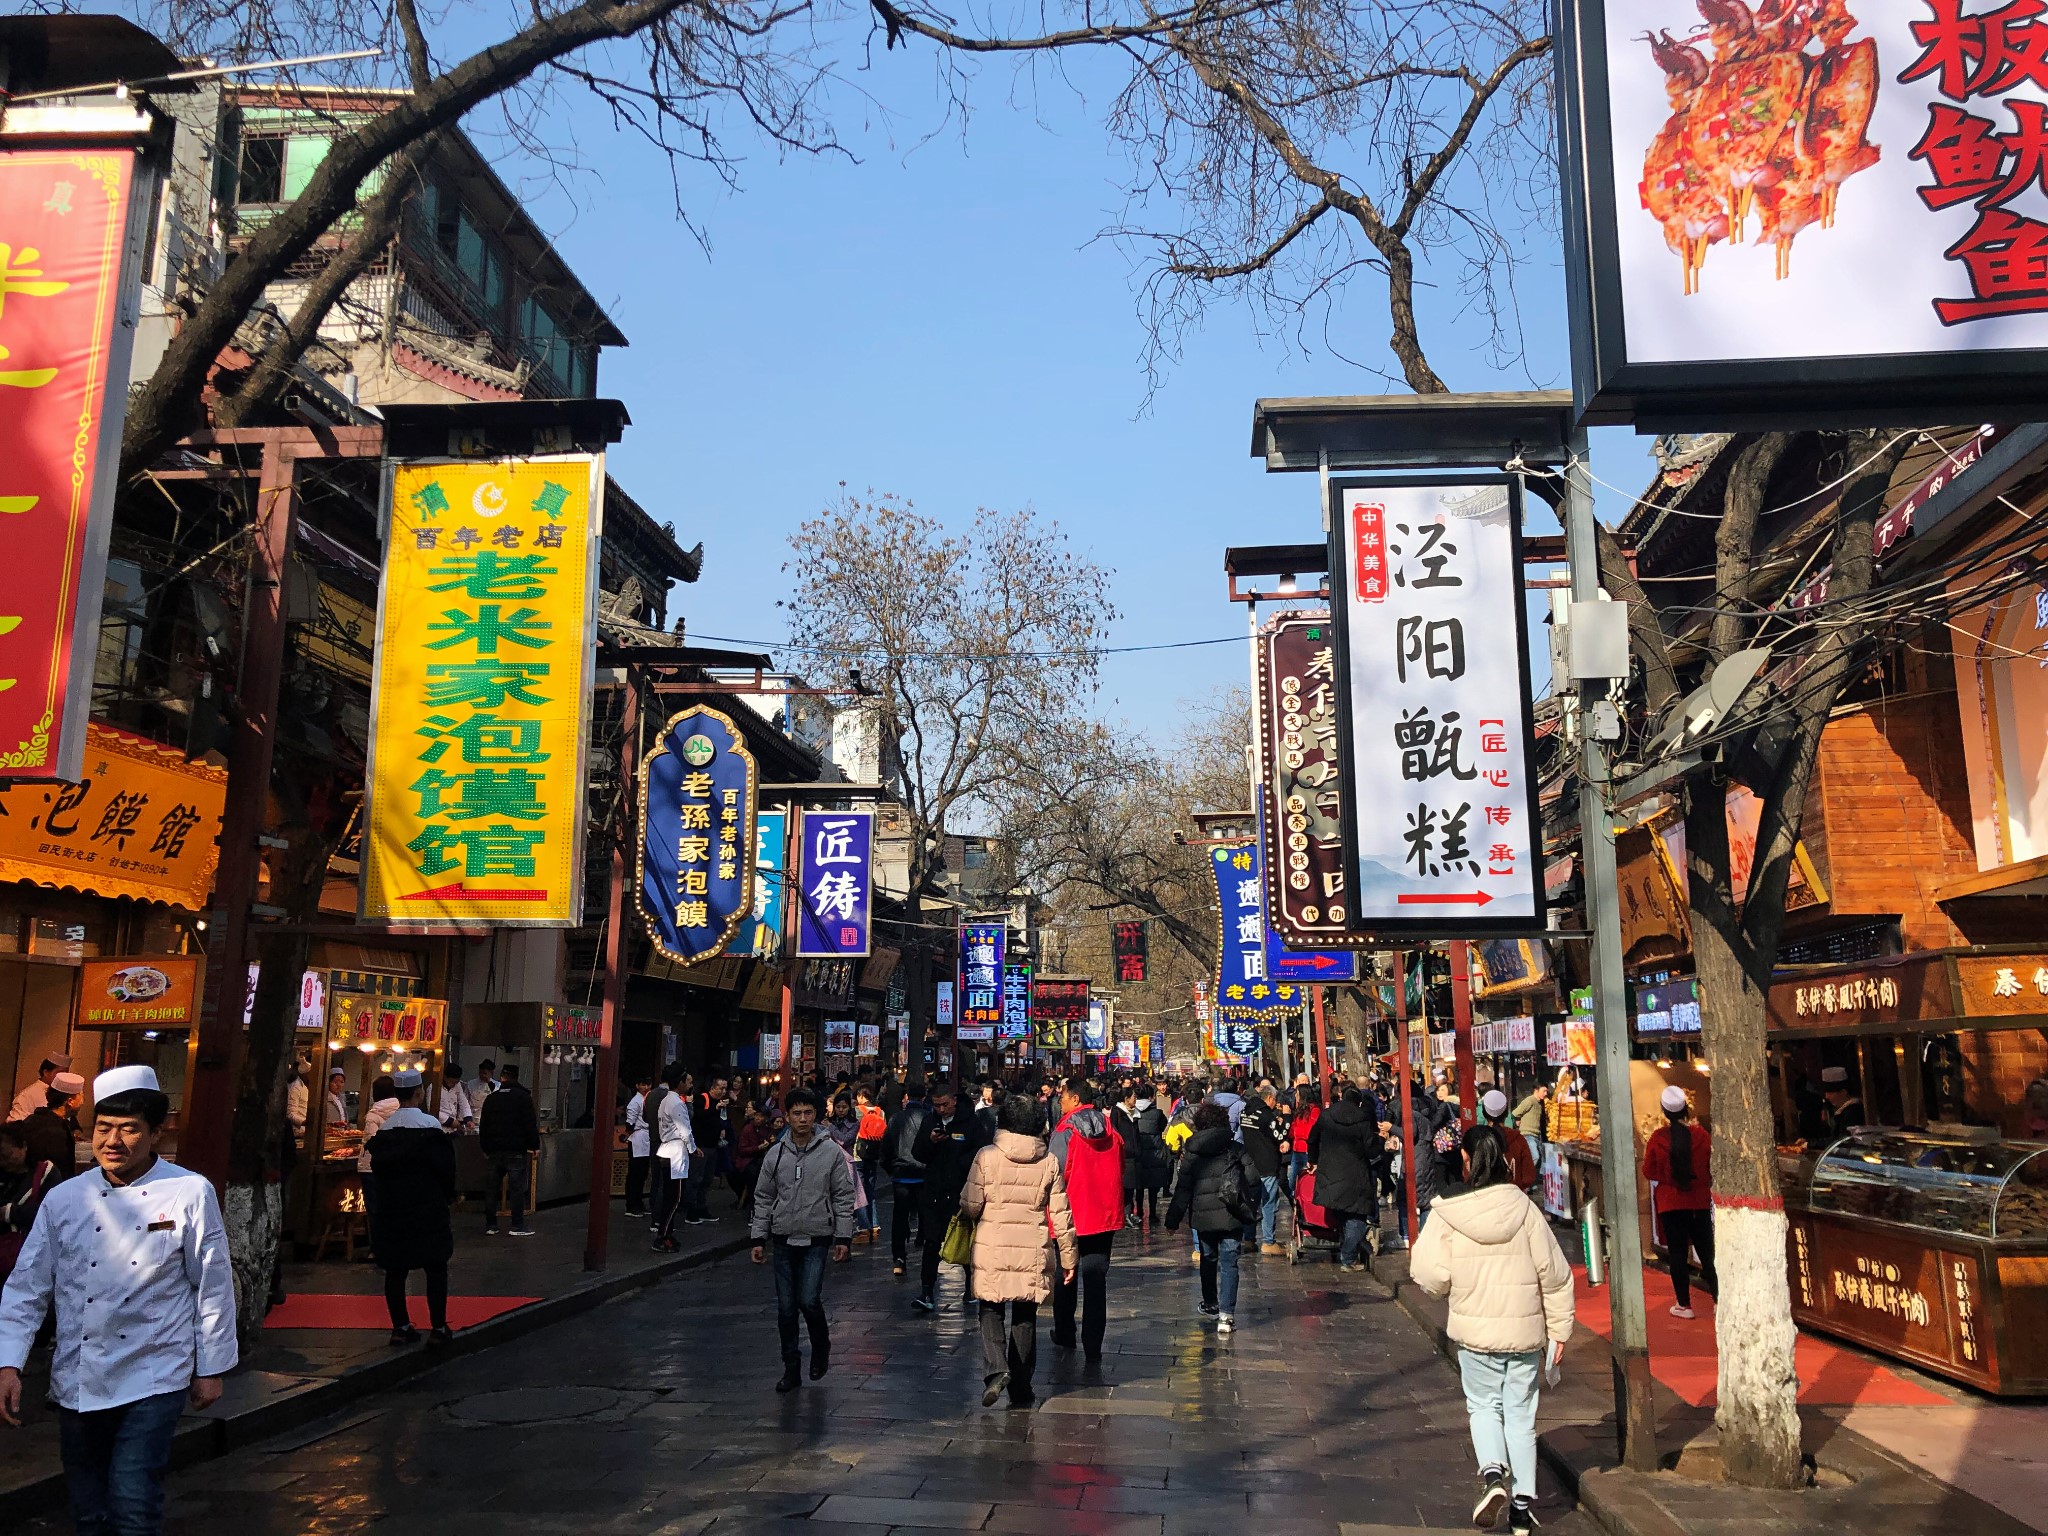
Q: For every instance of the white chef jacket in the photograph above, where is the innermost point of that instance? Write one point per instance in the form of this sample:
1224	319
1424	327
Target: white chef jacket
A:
298	1098
636	1124
29	1100
145	1297
455	1107
678	1142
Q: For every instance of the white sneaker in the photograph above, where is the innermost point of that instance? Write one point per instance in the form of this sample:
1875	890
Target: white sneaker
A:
1684	1312
522	1231
1224	1324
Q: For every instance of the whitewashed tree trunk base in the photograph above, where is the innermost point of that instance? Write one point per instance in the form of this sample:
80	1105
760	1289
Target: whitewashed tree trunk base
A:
1758	1416
255	1220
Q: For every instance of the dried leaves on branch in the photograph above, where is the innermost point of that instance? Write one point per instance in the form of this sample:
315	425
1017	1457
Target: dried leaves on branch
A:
978	650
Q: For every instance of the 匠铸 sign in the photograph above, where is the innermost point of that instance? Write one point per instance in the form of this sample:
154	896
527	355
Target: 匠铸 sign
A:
1441	831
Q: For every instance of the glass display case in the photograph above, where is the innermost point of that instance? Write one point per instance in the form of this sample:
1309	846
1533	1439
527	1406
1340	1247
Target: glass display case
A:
1929	1248
1988	1189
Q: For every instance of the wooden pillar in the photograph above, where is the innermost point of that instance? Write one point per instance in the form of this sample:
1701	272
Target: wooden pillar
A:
1461	1021
209	1103
597	1239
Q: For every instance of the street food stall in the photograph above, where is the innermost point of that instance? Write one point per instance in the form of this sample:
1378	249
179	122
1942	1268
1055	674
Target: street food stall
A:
1930	1248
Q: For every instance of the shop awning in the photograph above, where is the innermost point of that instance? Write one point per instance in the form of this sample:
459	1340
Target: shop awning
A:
2029	877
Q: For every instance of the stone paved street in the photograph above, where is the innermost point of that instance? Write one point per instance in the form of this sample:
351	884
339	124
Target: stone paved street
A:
1327	1412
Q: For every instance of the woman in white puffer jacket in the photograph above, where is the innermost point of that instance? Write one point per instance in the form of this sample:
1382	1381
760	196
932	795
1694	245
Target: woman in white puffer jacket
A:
1488	1247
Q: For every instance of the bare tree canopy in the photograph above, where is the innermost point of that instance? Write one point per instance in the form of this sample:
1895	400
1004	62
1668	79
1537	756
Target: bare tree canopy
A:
980	649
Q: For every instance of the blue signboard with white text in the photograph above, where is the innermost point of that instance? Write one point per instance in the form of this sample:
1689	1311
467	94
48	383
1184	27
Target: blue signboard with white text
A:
696	883
1245	992
835	883
761	934
981	974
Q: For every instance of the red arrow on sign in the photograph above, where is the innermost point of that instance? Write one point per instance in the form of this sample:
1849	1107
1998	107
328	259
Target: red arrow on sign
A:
1445	898
457	892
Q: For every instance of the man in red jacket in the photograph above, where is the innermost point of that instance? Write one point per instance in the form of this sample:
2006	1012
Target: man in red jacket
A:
1091	1157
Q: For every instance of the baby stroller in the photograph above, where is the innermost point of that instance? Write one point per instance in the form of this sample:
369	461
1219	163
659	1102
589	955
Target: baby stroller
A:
1311	1224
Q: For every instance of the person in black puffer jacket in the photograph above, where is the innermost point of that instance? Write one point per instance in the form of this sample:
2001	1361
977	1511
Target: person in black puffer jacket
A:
1217	1193
1342	1149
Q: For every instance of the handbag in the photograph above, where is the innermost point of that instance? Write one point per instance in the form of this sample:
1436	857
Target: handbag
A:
958	1246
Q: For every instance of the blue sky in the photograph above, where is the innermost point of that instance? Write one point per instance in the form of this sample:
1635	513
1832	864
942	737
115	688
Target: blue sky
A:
942	323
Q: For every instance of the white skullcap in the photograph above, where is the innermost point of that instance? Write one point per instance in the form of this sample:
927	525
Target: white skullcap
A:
1673	1100
124	1080
406	1077
1835	1075
67	1083
1495	1103
59	1060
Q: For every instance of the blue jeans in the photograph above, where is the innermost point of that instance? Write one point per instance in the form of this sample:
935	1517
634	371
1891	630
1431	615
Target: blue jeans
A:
1219	1269
1500	1400
800	1288
1296	1161
115	1459
1269	1211
1355	1228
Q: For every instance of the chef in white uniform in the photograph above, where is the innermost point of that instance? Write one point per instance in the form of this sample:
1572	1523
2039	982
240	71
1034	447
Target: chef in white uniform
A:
37	1094
135	1256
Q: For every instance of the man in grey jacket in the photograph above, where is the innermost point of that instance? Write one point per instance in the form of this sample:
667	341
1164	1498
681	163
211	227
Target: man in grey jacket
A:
803	1197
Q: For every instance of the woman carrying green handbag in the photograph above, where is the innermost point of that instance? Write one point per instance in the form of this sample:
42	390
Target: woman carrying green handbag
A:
1014	1198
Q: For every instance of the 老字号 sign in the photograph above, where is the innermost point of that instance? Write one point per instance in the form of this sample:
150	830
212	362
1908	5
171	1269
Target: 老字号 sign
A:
835	882
697	843
1796	209
1441	829
479	713
1245	994
1283	961
71	228
981	973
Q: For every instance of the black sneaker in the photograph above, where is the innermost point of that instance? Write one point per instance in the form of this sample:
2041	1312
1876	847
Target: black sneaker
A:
791	1377
925	1304
992	1391
821	1361
1522	1519
1210	1309
406	1335
442	1335
1493	1497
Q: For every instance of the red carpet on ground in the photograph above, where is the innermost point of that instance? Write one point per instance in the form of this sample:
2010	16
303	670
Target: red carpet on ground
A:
368	1311
1682	1353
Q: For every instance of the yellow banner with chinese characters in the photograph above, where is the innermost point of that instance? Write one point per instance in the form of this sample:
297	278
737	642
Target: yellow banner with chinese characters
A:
481	703
142	822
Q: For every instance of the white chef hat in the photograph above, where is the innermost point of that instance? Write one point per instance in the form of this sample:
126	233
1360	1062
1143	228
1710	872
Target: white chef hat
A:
1835	1076
1673	1100
124	1080
1495	1103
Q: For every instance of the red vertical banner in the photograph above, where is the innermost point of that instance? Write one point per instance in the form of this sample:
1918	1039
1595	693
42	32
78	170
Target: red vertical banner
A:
64	345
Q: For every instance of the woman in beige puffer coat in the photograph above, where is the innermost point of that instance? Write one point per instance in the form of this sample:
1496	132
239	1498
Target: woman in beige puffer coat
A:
1488	1247
1014	1196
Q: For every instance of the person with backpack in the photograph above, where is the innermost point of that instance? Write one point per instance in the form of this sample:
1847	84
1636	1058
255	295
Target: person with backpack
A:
1091	1161
1678	1162
1490	1250
872	1129
1435	1123
1218	1195
1155	1163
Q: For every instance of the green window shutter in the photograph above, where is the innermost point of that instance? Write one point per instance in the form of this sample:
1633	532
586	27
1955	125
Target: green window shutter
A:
302	158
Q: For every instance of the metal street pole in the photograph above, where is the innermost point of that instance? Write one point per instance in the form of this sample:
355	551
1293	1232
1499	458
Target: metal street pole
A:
1407	1089
1634	1404
597	1236
790	927
1322	1045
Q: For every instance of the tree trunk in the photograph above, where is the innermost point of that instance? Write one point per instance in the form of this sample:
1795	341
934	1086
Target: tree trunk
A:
1758	1413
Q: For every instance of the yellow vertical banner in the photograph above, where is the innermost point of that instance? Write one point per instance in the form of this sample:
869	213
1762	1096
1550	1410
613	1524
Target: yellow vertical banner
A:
480	707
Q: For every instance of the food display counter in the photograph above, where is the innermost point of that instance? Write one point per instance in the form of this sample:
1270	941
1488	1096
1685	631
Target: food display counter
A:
1930	1248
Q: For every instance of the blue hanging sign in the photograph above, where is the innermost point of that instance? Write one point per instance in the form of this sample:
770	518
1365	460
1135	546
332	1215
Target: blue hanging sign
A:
1245	992
981	974
1016	1023
835	883
761	934
1285	964
696	882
